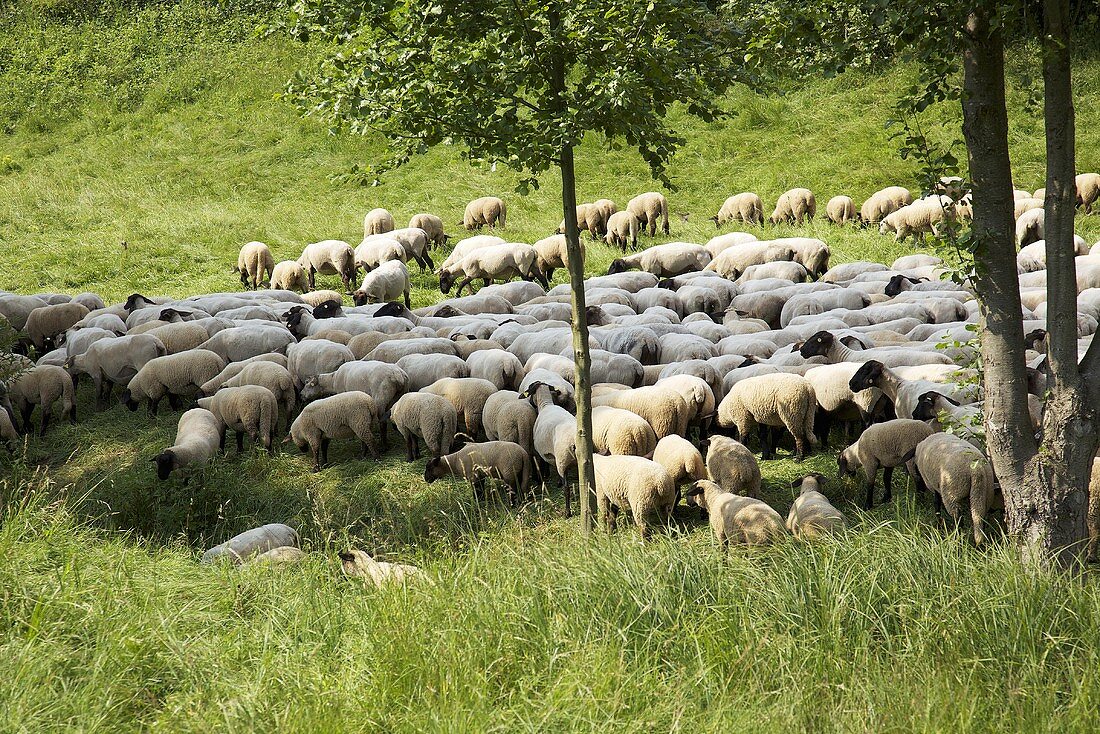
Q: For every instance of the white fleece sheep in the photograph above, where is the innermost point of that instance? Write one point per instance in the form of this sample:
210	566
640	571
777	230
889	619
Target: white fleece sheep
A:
254	260
924	215
732	466
812	515
883	445
504	461
555	436
41	385
779	400
840	209
1029	227
648	208
681	460
198	437
664	261
172	375
499	262
619	432
378	249
884	202
794	207
290	275
47	323
378	221
488	210
552	253
432	226
347	415
508	416
662	407
736	519
622	230
1088	190
357	564
267	374
425	417
957	473
744	207
638	485
329	257
499	367
467	395
250	409
386	283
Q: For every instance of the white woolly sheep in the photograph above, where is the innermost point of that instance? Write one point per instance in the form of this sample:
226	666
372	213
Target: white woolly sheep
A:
385	383
884	202
41	385
45	324
772	401
552	253
423	372
290	275
378	249
622	230
662	407
924	215
1088	190
664	261
243	342
555	436
378	221
329	257
812	515
387	283
199	435
744	207
499	262
508	416
734	518
648	208
250	409
1029	227
732	466
681	460
840	209
111	362
956	472
499	367
590	218
715	245
347	415
415	241
467	395
504	461
638	485
883	445
310	358
619	432
488	210
15	309
432	226
254	260
172	375
794	207
357	564
427	417
464	247
267	374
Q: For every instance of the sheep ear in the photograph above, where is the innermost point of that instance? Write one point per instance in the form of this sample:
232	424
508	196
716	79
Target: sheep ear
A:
693	492
796	483
909	456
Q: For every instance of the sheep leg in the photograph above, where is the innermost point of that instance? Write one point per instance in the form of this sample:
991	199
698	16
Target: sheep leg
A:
324	449
369	450
153	405
314	450
410	448
25	418
462	285
887	479
312	277
240	441
384	435
221	441
174	401
911	467
565	491
72	413
800	452
427	260
767	447
47	411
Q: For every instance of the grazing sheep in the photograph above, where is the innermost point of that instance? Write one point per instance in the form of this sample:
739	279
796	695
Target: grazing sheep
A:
423	372
1088	190
467	395
780	400
41	385
464	247
736	519
903	393
555	434
632	483
290	275
428	417
8	434
883	445
329	257
378	221
499	367
171	375
619	432
432	226
664	261
662	407
267	374
622	229
199	435
956	471
1029	227
552	253
1026	205
385	383
499	262
45	324
924	215
733	467
501	460
840	209
243	342
488	210
648	208
884	202
310	358
347	415
111	362
253	543
507	416
235	368
794	207
254	260
180	336
716	245
247	409
16	309
1094	509
681	460
378	249
415	241
357	564
812	515
590	218
744	207
387	283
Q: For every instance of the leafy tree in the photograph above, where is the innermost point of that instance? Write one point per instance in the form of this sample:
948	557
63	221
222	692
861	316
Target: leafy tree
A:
521	83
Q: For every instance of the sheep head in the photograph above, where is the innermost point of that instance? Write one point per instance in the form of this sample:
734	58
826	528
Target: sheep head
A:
866	376
817	345
166	462
327	310
617	266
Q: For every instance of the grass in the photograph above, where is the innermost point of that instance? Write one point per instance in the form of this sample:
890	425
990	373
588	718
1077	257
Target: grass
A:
163	131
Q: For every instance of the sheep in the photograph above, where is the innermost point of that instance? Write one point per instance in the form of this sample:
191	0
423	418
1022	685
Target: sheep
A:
648	208
15	309
744	207
329	257
507	416
1029	227
732	261
732	466
716	245
552	253
836	400
199	435
505	261
499	367
1026	205
393	350
681	460
115	361
90	301
1088	190
812	254
1094	510
378	221
467	395
662	407
464	247
903	393
622	229
840	209
555	434
794	206
696	392
387	283
925	215
779	400
281	556
501	460
734	518
250	409
41	385
488	210
308	359
812	515
171	375
234	368
45	324
180	336
590	218
427	417
385	383
378	249
254	260
791	271
8	434
271	375
956	471
826	344
423	372
847	271
883	445
466	347
619	432
884	202
415	241
243	342
252	544
632	483
289	275
347	415
357	564
432	226
664	261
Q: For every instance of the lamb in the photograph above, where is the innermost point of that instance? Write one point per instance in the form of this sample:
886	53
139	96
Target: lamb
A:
347	415
499	367
270	375
552	253
662	407
884	202
812	515
423	372
555	435
254	260
244	342
632	483
45	324
956	471
115	361
290	275
1088	190
329	257
622	229
664	261
378	221
385	383
488	210
432	226
41	385
619	432
732	466
648	208
681	460
171	375
501	460
387	283
794	207
1029	227
427	417
883	445
510	260
744	207
840	209
736	519
357	564
247	409
925	215
507	416
378	249
199	435
415	241
467	395
778	400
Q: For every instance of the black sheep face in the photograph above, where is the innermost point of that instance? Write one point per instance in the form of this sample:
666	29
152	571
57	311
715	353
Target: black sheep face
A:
327	310
817	345
127	399
135	300
446	280
359	298
866	376
390	309
166	463
433	470
617	266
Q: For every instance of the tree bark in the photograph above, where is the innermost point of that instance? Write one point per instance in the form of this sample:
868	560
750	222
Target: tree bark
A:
586	475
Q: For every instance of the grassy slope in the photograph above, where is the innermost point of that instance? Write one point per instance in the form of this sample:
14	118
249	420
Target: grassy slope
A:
524	629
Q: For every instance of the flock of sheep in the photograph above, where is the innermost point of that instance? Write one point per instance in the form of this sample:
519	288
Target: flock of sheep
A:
699	351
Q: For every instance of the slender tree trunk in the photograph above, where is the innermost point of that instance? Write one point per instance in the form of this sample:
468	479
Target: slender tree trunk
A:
586	475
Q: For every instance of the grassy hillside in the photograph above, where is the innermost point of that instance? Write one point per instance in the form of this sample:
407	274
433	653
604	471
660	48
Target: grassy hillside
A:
163	131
